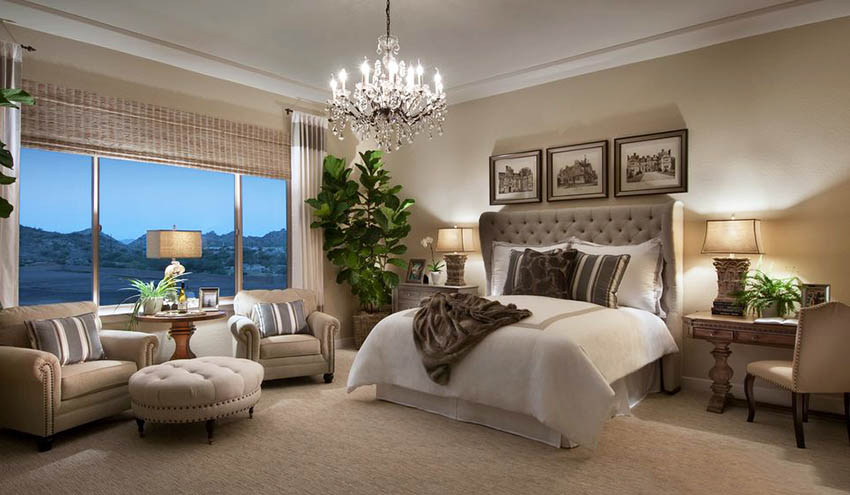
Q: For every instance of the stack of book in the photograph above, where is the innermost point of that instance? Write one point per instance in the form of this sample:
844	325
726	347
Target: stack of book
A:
728	308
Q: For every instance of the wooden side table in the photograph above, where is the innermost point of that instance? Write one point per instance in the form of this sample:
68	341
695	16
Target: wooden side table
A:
407	296
182	328
724	330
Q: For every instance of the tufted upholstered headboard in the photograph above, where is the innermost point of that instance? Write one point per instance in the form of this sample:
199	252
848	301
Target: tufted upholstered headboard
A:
615	225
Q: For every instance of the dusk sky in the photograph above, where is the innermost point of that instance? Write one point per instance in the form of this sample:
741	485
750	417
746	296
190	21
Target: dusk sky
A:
135	197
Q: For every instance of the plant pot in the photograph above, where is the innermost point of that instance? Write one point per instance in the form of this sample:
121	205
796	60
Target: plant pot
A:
434	278
152	306
771	311
363	324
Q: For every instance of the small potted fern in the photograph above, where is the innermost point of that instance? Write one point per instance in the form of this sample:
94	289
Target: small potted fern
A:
768	297
148	296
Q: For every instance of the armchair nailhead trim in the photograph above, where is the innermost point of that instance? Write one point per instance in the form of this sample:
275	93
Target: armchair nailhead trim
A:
47	374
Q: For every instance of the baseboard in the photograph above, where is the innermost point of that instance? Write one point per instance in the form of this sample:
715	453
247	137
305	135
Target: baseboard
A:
771	394
344	343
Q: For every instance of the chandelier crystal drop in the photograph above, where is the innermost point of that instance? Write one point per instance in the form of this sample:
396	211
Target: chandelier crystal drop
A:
390	104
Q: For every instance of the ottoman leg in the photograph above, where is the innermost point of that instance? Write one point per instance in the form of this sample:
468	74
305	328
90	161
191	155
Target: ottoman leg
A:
141	424
251	412
210	429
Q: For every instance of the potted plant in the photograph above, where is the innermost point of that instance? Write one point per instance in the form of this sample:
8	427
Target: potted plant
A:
364	223
767	297
148	296
8	98
435	267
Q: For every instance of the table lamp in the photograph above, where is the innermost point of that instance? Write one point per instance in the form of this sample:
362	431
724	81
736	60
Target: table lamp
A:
456	240
731	237
174	244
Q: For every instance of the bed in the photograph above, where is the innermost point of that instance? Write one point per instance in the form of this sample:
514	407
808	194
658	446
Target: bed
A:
557	376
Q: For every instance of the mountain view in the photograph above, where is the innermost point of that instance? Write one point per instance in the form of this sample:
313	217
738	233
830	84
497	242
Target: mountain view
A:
55	265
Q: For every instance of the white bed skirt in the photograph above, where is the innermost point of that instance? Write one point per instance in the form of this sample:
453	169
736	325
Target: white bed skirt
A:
629	391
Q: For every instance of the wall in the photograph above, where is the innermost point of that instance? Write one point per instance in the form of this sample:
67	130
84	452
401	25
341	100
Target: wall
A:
80	65
768	120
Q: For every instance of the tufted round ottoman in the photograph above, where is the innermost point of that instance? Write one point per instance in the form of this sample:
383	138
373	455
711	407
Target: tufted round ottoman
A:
194	390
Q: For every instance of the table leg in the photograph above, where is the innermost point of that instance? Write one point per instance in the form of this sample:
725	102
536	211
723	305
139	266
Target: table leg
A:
720	374
181	332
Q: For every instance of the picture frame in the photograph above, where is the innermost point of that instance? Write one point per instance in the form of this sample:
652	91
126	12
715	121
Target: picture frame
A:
654	163
814	294
415	271
208	298
577	171
516	178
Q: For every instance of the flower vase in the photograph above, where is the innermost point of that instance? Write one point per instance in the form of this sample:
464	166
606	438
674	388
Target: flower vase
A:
434	278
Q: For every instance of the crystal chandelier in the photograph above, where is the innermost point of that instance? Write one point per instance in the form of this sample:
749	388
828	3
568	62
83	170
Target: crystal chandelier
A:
389	104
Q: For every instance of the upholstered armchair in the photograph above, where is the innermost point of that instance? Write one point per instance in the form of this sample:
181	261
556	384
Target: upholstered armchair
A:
285	356
819	365
41	397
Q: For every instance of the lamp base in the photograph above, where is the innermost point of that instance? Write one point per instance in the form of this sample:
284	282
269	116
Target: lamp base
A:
730	280
174	270
455	264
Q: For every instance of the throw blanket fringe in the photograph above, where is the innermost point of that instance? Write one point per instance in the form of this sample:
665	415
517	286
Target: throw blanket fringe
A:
448	326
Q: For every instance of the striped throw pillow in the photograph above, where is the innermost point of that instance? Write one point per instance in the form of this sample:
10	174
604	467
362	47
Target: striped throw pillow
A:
596	278
73	339
280	318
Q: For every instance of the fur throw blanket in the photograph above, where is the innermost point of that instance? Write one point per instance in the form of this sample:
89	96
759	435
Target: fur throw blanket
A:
448	326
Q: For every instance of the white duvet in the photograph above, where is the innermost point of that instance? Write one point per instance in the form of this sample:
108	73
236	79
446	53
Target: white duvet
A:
556	366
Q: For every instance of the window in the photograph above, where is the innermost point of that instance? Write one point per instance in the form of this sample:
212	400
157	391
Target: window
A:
263	233
134	197
55	237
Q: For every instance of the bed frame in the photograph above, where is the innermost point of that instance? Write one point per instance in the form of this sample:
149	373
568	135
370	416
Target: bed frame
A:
610	225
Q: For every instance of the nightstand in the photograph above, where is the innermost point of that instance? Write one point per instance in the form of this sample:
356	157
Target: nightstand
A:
724	330
407	296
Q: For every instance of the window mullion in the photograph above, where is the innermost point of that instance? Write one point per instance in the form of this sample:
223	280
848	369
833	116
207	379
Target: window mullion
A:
95	229
237	232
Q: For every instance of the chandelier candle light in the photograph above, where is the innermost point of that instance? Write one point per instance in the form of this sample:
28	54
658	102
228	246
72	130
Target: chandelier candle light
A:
390	104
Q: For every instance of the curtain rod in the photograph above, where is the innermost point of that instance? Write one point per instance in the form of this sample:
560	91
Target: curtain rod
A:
28	48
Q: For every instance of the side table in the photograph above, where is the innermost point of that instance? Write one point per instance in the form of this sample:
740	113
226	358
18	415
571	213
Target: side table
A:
182	328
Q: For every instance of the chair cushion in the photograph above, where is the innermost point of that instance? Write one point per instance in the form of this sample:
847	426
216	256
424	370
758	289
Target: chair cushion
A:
280	346
776	372
94	376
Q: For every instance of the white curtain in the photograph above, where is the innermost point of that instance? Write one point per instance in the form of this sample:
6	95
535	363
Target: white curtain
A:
308	152
10	134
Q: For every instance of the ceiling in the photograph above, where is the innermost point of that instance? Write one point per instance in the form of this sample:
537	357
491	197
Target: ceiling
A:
482	47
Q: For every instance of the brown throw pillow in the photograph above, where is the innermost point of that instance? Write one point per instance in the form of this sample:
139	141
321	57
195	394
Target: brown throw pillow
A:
534	273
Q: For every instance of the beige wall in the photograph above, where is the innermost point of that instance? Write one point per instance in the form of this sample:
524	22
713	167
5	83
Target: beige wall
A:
79	65
769	128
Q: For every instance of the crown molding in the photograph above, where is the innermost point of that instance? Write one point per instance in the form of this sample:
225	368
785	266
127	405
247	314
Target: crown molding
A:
59	23
786	15
752	23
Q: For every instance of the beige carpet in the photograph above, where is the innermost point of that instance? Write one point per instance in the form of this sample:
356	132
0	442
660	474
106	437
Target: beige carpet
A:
310	438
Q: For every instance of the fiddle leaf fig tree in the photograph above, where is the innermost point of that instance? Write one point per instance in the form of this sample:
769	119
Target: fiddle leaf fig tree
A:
365	223
9	98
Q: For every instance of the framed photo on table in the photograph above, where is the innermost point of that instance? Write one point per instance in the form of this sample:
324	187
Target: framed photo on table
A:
516	178
651	164
577	171
415	271
208	298
814	294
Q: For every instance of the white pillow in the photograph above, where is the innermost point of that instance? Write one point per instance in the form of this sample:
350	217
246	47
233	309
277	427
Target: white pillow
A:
642	286
501	258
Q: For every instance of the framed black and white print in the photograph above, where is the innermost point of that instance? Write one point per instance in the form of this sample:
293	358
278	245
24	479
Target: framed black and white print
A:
577	171
651	164
516	178
208	298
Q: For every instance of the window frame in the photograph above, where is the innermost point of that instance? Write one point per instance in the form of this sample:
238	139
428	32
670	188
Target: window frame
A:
96	228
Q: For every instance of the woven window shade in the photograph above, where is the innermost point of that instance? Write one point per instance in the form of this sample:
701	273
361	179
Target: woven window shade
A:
78	121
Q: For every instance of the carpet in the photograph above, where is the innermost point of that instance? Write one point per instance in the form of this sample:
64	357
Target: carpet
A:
311	438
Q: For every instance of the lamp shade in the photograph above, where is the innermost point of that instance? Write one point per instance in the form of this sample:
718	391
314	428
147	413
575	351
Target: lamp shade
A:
732	237
455	240
174	244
